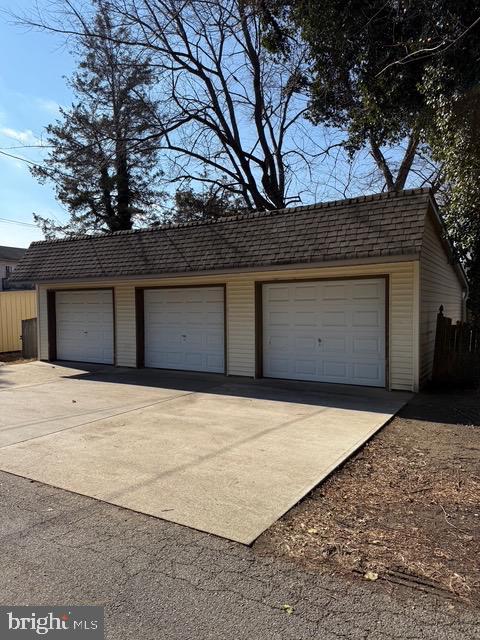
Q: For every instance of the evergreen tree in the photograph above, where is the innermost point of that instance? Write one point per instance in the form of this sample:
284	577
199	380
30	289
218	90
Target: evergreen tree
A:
103	158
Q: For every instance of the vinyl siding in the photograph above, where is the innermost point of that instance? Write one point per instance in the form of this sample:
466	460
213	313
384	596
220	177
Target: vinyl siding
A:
42	323
240	301
125	328
439	285
241	327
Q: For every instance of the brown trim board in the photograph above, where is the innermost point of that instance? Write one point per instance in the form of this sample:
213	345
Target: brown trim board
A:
225	333
140	317
52	324
387	331
259	315
259	329
52	318
140	327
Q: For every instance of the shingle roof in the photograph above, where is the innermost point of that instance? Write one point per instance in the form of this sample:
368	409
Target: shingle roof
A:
385	224
11	254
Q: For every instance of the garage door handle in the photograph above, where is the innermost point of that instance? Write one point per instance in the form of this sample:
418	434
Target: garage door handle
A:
85	332
319	340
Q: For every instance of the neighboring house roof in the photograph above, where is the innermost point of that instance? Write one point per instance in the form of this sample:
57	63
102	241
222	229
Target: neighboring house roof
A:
11	254
387	224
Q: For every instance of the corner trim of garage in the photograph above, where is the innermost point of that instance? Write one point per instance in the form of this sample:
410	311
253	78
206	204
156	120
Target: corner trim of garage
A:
52	324
387	331
259	329
225	329
140	326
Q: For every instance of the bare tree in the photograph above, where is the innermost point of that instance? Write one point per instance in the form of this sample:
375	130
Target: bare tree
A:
231	112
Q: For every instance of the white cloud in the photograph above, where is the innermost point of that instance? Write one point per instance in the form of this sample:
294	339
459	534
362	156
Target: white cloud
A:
48	105
25	137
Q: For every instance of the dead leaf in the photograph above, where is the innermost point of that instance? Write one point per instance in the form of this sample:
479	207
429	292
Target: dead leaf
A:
288	609
370	575
312	530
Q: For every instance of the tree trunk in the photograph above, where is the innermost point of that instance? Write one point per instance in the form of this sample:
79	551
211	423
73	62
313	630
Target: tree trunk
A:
382	164
105	186
395	183
407	162
124	213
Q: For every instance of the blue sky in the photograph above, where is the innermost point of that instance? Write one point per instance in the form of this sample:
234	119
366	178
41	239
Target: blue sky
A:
32	66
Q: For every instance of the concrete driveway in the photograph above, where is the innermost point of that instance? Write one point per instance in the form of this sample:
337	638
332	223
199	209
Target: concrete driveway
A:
223	455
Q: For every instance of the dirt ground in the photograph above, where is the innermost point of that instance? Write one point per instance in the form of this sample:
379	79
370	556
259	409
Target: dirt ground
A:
14	357
405	509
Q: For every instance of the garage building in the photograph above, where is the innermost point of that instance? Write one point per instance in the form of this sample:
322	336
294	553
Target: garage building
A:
343	292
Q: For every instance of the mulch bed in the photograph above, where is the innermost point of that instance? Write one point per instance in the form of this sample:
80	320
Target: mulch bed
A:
406	508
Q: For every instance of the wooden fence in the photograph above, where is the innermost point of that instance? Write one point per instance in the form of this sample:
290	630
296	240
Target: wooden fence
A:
15	306
457	353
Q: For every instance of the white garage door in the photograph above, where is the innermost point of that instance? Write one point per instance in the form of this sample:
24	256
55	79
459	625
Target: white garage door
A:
330	331
184	328
85	325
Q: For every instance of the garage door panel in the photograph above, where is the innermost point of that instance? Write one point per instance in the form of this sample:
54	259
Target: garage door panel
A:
84	324
371	290
279	319
280	365
215	340
366	371
214	362
335	292
326	331
305	319
278	294
215	318
191	320
335	369
333	344
196	340
306	293
195	360
306	367
334	319
368	345
302	343
279	342
171	359
363	318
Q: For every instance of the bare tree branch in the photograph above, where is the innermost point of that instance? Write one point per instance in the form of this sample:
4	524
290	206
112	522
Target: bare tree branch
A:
219	87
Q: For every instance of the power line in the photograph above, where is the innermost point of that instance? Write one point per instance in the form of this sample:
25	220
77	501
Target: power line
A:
22	224
11	155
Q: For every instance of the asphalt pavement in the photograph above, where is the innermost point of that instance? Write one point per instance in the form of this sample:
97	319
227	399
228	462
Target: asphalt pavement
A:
161	581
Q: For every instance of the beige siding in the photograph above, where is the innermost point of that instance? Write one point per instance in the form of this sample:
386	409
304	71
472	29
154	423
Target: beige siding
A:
42	324
125	330
439	285
403	344
241	327
15	306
